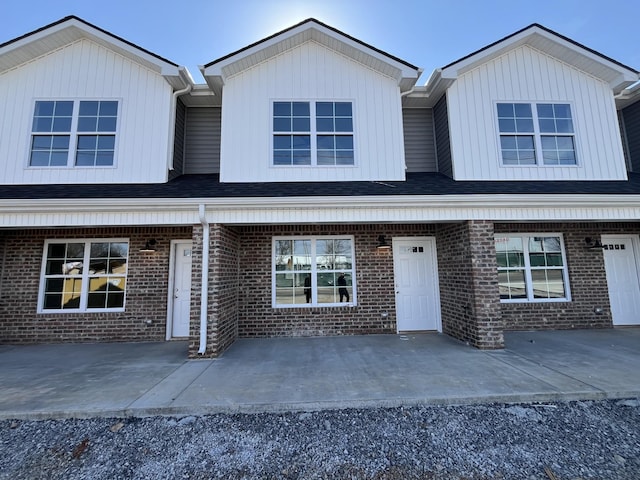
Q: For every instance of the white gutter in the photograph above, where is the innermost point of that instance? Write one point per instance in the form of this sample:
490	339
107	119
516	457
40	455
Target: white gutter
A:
172	122
204	300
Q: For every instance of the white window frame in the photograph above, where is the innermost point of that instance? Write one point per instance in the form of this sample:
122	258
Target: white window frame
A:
528	269
313	132
314	271
73	134
85	276
537	134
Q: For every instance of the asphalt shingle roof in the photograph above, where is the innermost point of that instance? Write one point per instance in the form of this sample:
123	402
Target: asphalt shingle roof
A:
209	186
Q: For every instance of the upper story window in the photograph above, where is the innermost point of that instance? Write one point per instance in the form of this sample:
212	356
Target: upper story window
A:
536	134
313	133
67	133
532	268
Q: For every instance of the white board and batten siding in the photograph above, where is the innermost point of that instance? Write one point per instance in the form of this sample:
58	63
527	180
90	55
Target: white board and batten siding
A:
527	75
311	72
84	70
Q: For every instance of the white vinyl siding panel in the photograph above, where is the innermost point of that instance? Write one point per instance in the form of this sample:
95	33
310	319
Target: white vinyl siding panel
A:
203	140
311	72
419	145
526	75
80	71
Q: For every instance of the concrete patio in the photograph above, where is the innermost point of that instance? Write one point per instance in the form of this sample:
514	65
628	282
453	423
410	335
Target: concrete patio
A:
278	374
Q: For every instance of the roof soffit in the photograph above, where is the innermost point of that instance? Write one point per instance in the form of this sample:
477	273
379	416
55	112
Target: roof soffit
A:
218	71
615	74
57	35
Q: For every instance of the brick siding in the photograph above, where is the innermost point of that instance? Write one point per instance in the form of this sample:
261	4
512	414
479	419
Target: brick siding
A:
145	315
223	288
587	280
469	284
375	310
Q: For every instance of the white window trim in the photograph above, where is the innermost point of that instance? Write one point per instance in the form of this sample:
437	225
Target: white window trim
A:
527	269
314	270
84	293
73	134
537	142
313	133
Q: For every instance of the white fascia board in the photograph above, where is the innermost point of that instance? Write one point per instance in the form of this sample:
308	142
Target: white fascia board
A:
61	34
542	202
296	36
623	76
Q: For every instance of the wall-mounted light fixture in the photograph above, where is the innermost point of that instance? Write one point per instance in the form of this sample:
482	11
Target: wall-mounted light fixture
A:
382	243
150	246
592	244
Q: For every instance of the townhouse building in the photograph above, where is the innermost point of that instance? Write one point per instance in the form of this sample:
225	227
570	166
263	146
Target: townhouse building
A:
313	186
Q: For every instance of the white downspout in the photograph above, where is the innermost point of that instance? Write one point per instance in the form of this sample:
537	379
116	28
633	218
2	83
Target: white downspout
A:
204	298
172	123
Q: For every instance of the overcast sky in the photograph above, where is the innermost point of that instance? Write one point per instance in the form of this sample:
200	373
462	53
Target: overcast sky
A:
426	33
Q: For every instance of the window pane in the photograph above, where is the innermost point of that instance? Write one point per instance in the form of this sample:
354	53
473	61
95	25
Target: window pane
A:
326	157
564	126
547	126
324	109
87	142
302	124
44	109
301	109
511	284
282	108
522	110
344	125
282	157
344	157
89	108
107	124
106	142
61	124
524	125
301	142
109	108
326	142
547	284
324	125
302	157
343	109
282	141
505	110
508	142
344	142
104	159
87	124
545	110
85	159
42	124
281	124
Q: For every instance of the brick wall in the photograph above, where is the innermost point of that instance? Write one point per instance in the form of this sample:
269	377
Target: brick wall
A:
375	312
469	285
587	280
146	295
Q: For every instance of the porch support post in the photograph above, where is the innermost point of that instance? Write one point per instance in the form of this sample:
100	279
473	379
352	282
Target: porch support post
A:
468	275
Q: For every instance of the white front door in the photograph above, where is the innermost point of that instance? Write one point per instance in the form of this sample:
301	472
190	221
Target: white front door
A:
181	305
416	281
621	264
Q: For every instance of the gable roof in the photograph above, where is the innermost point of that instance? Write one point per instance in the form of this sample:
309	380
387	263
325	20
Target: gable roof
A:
70	29
217	71
616	74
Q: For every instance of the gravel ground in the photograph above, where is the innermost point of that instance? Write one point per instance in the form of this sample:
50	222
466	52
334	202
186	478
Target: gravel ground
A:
577	440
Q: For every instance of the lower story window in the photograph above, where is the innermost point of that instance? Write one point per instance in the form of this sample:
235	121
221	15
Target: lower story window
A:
84	275
532	268
313	271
